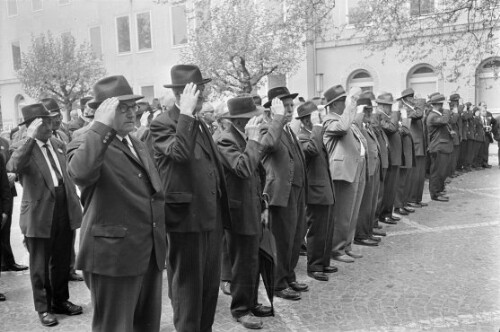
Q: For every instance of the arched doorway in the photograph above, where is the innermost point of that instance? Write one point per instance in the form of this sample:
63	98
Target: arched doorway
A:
360	78
488	84
423	79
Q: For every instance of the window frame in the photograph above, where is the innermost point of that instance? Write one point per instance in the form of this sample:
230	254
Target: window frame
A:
63	3
129	33
17	8
150	31
178	46
33	8
100	33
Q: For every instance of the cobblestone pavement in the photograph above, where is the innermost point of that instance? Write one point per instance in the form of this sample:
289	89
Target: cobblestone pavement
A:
438	270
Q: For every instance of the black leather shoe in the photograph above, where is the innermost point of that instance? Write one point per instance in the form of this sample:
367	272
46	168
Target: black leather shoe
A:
14	267
395	218
2	297
67	308
321	276
288	294
422	204
75	277
343	258
486	166
330	269
379	232
225	287
375	238
47	319
409	209
413	205
366	242
353	254
440	198
299	287
401	211
251	322
262	311
388	220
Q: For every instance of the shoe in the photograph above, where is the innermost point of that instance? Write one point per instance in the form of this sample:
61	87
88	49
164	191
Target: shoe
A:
47	319
486	166
440	198
67	308
75	277
288	294
401	211
395	218
409	209
225	287
14	267
422	204
413	205
379	232
262	311
249	321
298	287
377	226
321	276
2	297
388	220
343	259
366	242
375	238
330	269
353	255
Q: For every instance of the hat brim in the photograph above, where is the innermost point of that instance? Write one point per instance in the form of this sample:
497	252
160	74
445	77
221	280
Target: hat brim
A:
248	115
304	115
94	104
52	115
203	82
291	95
335	99
385	102
406	95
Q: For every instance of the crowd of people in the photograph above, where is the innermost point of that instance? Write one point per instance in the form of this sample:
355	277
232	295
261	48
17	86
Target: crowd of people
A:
195	189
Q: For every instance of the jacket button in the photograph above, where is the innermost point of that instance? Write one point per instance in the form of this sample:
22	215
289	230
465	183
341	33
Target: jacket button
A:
152	199
154	224
213	192
139	175
104	141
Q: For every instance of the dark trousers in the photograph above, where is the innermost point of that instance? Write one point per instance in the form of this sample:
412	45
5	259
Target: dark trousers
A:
462	159
244	254
402	186
49	259
391	180
439	171
380	198
126	304
73	255
346	209
288	225
471	148
5	248
478	159
226	266
417	180
319	218
327	255
484	153
454	159
368	207
193	269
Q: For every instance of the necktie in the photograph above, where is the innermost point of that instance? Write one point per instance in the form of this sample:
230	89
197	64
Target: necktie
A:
53	164
125	142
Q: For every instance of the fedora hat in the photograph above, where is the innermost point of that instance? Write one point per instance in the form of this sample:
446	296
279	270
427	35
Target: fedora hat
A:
334	93
242	107
406	93
112	86
84	101
366	102
367	94
33	111
437	99
432	95
51	105
455	97
280	92
306	109
385	98
184	74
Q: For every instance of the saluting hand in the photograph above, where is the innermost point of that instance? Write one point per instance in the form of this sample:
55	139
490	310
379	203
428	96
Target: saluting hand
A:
189	99
252	128
105	113
353	97
277	107
33	128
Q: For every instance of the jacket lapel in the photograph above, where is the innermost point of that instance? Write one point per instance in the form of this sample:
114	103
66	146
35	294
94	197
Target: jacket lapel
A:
143	155
240	140
120	146
43	167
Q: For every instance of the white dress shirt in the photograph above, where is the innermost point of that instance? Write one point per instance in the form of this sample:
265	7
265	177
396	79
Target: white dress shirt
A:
54	155
130	145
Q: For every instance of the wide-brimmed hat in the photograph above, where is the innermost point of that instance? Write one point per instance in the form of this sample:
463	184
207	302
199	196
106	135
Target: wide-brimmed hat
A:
385	98
280	92
306	109
454	97
432	95
333	94
184	74
51	105
367	102
33	111
84	101
406	93
367	94
437	99
112	86
242	107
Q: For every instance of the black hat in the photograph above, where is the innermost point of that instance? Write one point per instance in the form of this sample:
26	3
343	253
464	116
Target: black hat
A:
406	93
437	99
334	93
51	105
306	109
112	86
84	101
385	98
367	102
242	107
455	97
184	74
367	94
280	92
33	111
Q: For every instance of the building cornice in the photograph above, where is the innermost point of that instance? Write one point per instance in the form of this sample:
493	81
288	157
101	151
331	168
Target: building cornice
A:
9	81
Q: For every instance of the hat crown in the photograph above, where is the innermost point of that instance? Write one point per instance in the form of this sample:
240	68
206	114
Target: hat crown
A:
305	109
277	92
455	97
33	111
334	93
184	74
364	101
407	92
51	104
112	86
437	98
385	98
240	105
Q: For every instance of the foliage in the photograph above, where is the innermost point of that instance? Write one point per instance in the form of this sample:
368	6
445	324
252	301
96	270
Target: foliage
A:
58	67
459	33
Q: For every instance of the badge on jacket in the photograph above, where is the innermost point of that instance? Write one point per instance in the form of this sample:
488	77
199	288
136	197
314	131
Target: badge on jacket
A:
60	151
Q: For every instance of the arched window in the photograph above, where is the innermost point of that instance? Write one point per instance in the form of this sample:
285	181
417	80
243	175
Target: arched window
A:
488	84
19	102
423	79
360	78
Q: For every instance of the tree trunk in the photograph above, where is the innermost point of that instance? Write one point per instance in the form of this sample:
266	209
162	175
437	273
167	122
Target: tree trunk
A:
67	106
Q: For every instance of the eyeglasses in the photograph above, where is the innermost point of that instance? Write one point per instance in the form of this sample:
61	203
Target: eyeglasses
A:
123	108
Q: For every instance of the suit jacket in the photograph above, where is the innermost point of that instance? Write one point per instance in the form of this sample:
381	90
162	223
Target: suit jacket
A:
383	144
468	125
61	135
408	160
245	179
319	183
479	134
191	173
38	201
439	135
280	165
390	125
373	151
123	218
417	131
5	190
343	144
4	151
489	121
454	118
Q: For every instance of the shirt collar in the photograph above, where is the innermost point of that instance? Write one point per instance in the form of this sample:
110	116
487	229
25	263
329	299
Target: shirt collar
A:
41	143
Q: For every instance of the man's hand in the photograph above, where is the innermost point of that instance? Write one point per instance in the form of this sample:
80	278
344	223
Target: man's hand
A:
352	97
12	178
189	99
316	118
360	109
455	110
33	128
264	217
404	113
4	219
252	129
105	113
277	107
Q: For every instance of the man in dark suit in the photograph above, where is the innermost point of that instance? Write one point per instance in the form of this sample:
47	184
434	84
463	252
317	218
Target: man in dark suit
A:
285	186
346	148
488	122
454	126
122	246
5	208
242	147
440	147
50	212
469	133
196	202
320	197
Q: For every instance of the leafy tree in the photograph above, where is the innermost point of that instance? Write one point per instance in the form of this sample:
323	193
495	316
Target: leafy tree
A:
240	42
60	68
458	33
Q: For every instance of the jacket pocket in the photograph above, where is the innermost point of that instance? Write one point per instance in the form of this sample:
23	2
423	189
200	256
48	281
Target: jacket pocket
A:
111	231
180	197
